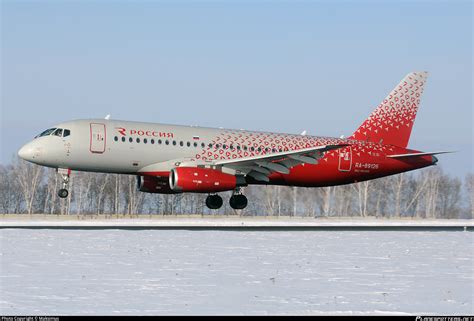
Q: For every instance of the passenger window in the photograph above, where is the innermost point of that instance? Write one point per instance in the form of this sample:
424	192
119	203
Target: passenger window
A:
130	140
203	145
116	138
159	141
145	140
181	143
66	132
152	141
195	144
210	145
224	146
138	140
123	139
174	143
188	144
167	142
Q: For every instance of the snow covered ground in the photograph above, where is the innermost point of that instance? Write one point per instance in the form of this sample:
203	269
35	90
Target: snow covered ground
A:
235	272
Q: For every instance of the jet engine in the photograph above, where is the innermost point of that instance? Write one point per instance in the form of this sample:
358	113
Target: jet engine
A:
200	180
152	184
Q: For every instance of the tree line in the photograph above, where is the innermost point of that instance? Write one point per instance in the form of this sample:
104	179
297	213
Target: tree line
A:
427	193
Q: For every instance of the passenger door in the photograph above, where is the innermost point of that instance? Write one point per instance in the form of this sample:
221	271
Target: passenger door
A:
97	139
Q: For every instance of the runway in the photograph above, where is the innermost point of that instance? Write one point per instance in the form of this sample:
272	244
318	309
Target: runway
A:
229	223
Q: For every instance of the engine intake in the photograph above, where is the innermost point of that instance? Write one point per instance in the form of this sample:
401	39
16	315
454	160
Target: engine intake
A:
152	184
200	180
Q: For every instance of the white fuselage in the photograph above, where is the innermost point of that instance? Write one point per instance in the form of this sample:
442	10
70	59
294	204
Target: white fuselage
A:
114	146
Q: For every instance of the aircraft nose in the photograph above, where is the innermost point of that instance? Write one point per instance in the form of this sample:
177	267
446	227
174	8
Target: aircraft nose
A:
26	152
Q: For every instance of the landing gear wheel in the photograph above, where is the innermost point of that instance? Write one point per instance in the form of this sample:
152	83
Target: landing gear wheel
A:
238	201
64	172
214	202
63	193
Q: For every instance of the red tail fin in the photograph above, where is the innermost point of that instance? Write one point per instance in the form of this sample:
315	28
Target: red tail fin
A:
392	121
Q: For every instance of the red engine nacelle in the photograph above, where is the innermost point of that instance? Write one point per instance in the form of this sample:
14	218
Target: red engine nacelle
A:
151	184
201	180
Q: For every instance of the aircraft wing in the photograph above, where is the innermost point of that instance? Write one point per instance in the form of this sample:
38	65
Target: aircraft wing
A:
261	166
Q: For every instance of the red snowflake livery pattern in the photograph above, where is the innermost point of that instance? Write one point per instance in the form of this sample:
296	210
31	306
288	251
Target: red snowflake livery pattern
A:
392	121
385	132
240	144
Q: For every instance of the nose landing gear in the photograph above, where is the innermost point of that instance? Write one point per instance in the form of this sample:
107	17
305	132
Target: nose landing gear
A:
65	173
63	193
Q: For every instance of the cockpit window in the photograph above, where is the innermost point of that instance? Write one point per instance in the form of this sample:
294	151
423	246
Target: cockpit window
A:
58	132
46	132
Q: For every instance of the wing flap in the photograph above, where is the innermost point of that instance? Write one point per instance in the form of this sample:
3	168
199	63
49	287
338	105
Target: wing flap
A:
258	176
304	159
282	169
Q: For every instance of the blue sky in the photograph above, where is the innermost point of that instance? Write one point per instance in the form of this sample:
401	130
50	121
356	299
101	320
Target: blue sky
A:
274	66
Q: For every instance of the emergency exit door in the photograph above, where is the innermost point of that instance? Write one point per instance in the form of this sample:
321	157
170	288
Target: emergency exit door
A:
345	159
97	138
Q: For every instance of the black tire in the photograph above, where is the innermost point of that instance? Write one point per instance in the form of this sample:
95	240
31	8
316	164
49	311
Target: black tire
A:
214	202
63	193
238	202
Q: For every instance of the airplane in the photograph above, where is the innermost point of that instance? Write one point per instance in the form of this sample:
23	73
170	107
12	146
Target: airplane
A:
171	159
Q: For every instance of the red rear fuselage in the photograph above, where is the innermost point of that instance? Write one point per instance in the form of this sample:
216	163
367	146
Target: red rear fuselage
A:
358	162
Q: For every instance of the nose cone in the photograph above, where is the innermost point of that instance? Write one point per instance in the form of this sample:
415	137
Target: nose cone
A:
26	152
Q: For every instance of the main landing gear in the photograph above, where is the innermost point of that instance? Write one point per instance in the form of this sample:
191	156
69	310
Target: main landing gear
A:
214	201
65	173
237	201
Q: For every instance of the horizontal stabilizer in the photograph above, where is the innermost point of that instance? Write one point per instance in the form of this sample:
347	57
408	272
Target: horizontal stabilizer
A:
417	154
